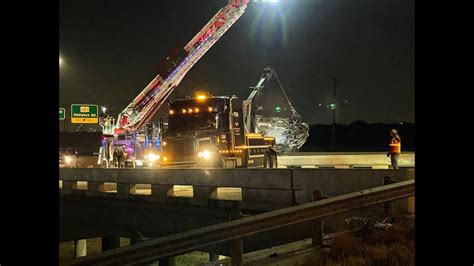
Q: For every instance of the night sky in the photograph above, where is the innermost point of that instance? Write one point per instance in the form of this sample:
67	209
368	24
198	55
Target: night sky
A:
111	49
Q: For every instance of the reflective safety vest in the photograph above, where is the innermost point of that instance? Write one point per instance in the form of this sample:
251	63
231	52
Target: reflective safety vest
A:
395	146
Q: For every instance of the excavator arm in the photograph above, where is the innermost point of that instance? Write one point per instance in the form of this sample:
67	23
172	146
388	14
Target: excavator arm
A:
290	133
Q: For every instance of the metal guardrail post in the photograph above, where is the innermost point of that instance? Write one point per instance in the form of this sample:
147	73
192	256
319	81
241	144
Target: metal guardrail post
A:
318	224
236	252
236	245
388	206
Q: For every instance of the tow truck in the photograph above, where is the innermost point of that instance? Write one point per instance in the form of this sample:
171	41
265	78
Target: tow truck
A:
219	131
210	131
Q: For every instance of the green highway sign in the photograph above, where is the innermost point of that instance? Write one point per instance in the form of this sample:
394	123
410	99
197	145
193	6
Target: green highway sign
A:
84	114
62	113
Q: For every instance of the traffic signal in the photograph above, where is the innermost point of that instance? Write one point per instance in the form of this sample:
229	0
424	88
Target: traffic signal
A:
278	109
332	106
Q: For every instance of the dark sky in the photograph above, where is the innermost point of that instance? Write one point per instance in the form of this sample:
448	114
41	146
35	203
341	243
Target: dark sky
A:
111	49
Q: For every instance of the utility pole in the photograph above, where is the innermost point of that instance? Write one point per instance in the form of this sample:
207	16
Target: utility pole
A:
333	107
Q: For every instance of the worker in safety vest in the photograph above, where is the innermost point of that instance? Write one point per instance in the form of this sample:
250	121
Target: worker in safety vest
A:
395	148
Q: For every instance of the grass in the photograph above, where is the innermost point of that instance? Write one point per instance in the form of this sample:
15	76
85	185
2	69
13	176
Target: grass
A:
392	246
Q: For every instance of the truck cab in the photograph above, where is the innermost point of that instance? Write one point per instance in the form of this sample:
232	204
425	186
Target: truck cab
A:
139	149
208	131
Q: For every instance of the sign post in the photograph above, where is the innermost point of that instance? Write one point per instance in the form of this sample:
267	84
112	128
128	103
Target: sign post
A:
84	114
62	113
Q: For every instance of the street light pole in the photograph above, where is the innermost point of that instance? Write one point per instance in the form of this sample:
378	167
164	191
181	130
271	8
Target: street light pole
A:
333	143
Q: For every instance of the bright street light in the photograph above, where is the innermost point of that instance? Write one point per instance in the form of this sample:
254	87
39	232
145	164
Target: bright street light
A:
104	109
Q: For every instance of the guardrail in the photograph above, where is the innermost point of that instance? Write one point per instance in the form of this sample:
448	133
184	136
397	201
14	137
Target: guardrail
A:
234	231
259	189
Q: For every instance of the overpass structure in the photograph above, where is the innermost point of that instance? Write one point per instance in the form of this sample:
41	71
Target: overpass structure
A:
113	203
235	231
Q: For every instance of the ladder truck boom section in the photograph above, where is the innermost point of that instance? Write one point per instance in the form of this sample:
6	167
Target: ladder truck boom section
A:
175	67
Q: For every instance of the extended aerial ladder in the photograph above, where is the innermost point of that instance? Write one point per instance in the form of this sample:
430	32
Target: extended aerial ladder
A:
173	70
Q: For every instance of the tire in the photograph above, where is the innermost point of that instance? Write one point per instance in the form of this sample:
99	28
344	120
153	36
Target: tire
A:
218	163
230	164
226	164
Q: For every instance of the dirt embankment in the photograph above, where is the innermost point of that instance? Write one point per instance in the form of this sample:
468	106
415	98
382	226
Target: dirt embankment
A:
391	243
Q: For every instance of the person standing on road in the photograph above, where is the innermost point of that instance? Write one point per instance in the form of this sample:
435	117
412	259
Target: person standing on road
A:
122	156
116	157
395	148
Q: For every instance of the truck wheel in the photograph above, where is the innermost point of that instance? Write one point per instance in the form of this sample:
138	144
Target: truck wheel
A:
76	164
218	163
226	164
230	164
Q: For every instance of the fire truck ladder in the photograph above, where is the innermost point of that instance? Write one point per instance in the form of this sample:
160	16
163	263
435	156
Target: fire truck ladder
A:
145	105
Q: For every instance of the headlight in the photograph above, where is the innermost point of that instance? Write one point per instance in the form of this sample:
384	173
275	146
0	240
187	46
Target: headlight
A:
205	154
153	157
139	162
68	159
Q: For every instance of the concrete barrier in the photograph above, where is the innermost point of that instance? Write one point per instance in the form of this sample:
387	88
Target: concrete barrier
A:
260	189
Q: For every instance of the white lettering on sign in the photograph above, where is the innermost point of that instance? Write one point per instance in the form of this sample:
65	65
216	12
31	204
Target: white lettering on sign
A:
84	115
84	109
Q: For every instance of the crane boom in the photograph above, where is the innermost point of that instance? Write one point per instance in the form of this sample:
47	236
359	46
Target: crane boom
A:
174	68
290	133
267	75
